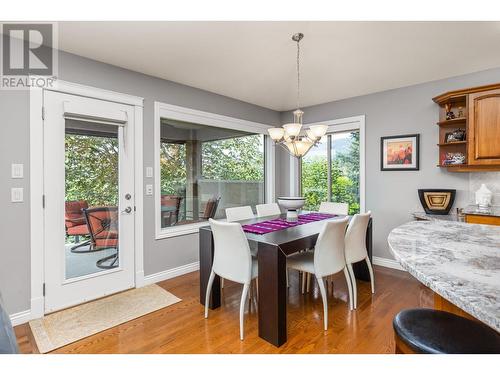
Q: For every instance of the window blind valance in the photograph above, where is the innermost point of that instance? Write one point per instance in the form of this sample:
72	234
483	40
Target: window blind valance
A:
95	113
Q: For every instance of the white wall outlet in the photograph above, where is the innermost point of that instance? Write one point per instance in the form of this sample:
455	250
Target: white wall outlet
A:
16	195
149	189
17	171
149	171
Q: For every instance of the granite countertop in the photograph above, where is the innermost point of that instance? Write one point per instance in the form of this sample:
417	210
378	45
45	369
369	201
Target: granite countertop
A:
458	261
431	217
469	210
475	210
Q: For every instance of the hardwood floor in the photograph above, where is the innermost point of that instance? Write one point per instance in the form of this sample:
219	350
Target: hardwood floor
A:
181	328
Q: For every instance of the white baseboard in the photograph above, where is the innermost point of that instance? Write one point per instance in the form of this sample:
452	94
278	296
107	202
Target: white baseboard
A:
187	268
37	304
386	262
171	273
35	311
20	317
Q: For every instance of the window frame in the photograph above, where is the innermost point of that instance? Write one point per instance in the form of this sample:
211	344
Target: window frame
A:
335	126
164	110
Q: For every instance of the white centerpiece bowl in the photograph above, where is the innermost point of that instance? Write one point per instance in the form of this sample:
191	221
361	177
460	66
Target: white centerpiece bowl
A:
291	205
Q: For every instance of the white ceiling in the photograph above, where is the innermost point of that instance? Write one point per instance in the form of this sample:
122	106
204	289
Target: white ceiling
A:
255	61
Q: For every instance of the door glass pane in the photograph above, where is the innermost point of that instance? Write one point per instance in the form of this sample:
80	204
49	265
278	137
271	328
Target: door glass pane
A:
206	169
91	198
345	169
315	176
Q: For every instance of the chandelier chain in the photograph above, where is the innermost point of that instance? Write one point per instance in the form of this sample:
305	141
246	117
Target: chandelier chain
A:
298	74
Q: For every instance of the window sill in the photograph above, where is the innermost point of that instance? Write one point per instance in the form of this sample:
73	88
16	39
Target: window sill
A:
182	230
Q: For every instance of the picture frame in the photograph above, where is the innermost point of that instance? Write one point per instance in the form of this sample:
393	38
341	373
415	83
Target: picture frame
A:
400	152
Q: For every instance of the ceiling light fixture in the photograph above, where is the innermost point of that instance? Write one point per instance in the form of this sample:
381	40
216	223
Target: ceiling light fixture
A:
289	135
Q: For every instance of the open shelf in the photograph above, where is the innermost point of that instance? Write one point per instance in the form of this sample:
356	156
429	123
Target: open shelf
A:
452	143
451	165
471	168
475	120
453	122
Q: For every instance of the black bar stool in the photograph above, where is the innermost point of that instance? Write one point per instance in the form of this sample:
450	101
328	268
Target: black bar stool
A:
439	332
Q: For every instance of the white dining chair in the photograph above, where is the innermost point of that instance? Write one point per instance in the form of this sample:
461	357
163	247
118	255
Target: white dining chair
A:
327	259
355	249
268	209
239	213
232	261
334	208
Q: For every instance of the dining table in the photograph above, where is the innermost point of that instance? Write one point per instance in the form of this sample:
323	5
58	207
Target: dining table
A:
272	251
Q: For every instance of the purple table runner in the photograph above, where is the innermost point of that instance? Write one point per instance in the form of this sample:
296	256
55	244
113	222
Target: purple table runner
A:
269	226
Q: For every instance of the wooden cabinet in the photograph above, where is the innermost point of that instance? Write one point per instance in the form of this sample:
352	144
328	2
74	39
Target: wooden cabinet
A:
484	128
482	219
476	112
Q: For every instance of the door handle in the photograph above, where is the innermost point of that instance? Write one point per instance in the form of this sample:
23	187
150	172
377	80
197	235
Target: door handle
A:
127	210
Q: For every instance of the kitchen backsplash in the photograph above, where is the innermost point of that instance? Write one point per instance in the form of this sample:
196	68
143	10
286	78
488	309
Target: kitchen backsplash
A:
492	182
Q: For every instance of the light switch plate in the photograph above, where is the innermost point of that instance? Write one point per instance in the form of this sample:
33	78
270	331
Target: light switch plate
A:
17	170
149	171
16	195
149	189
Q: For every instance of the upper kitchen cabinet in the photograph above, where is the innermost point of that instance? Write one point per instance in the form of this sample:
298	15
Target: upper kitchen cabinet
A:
469	129
484	128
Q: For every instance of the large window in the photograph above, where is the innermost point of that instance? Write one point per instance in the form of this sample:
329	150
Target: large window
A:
331	171
205	169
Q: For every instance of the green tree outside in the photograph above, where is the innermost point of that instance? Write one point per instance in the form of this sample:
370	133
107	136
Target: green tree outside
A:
173	160
91	165
314	181
344	177
234	159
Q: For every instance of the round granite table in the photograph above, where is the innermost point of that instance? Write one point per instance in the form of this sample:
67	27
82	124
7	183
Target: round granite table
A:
458	261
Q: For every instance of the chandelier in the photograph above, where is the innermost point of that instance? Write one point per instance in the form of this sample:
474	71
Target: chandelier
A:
289	136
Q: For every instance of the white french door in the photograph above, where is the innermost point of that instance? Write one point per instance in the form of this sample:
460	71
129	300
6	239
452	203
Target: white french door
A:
89	199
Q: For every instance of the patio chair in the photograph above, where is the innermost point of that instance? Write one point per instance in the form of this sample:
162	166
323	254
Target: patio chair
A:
75	223
170	207
102	224
208	213
211	208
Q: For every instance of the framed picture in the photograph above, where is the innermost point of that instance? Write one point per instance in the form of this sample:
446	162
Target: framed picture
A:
399	152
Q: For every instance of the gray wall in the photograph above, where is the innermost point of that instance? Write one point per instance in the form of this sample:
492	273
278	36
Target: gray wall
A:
14	148
492	182
392	195
14	217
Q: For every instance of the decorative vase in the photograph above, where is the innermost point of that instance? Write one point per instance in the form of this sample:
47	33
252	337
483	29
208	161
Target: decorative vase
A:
437	201
483	197
291	205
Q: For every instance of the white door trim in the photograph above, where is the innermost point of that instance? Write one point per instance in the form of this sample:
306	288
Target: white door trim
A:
178	113
338	125
36	181
36	203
